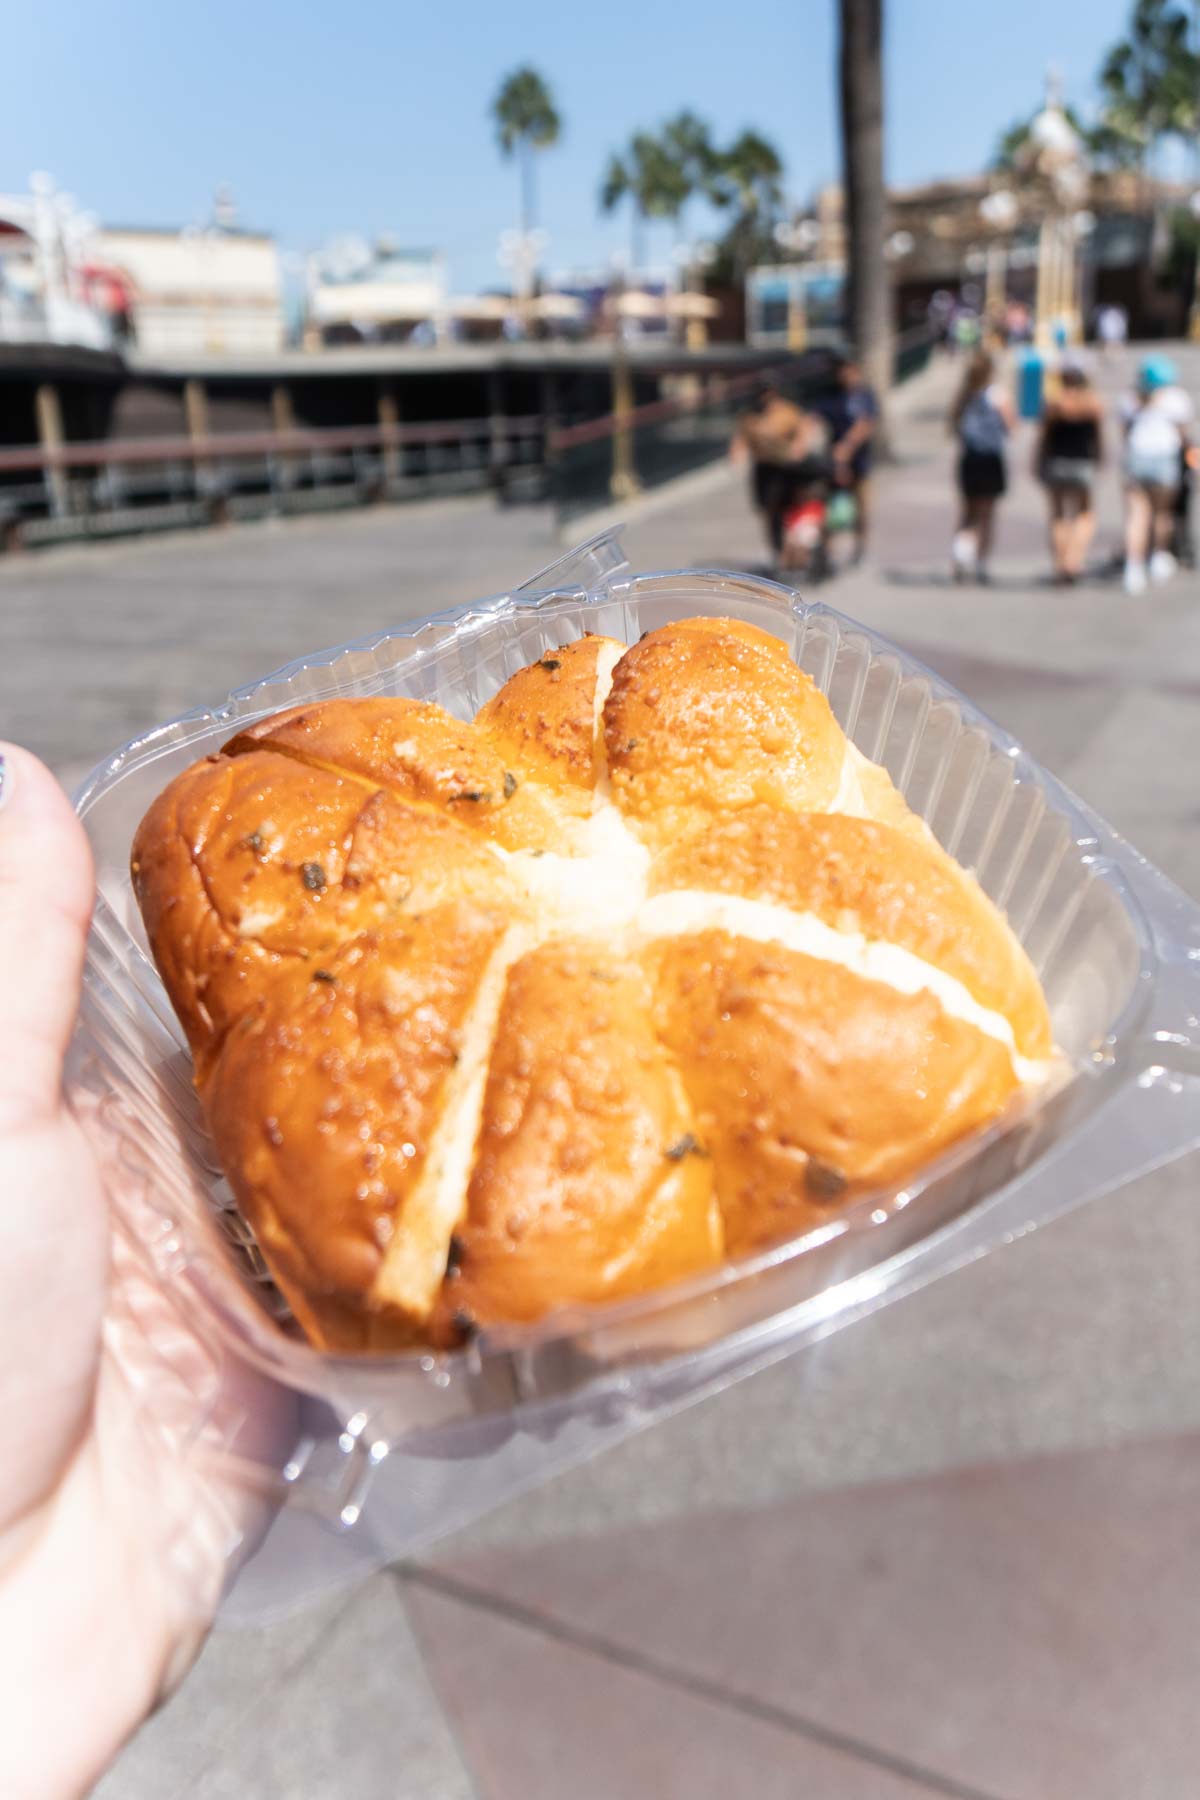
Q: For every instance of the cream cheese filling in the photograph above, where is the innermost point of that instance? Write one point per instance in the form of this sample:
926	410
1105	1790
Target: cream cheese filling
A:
415	1260
601	890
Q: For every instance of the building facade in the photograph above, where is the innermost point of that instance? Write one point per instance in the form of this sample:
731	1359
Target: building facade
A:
203	290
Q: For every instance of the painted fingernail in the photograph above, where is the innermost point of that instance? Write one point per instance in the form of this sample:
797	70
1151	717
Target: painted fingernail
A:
5	777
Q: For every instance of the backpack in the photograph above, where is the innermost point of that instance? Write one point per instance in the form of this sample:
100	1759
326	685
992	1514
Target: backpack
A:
982	427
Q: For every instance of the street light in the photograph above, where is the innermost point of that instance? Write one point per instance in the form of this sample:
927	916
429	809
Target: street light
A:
1055	155
521	251
999	210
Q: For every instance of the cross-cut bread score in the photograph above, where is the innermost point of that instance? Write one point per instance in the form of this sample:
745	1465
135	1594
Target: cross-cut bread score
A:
645	969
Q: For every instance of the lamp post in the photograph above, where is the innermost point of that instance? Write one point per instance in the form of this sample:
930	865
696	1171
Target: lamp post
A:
623	482
800	237
1055	156
999	211
701	257
521	251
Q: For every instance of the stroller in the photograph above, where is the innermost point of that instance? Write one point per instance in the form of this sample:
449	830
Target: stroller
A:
803	525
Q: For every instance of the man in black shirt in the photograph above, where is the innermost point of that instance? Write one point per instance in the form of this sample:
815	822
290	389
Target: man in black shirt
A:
853	412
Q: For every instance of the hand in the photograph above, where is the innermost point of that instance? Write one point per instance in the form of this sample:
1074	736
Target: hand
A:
113	1546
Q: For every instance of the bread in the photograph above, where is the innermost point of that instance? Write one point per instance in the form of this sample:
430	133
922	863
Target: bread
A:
644	969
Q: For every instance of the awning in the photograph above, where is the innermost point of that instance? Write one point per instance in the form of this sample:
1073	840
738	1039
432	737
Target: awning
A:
374	302
558	306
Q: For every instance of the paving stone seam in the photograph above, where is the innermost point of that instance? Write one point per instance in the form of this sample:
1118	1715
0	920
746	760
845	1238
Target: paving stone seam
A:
448	1712
698	1687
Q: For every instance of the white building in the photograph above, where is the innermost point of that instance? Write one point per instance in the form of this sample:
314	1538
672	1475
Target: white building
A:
206	290
45	294
358	294
66	279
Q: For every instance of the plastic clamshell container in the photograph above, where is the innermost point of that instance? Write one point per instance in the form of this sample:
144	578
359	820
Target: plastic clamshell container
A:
368	1459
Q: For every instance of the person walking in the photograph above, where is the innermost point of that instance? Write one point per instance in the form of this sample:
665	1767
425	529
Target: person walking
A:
852	413
786	448
1112	328
1158	420
1069	452
981	418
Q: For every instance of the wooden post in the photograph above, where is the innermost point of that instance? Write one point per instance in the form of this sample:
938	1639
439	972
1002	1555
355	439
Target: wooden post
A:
997	283
195	407
551	466
388	410
1045	285
797	312
50	437
283	418
497	431
623	482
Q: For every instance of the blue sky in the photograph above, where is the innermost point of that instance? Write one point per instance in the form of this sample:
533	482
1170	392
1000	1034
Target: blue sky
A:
373	117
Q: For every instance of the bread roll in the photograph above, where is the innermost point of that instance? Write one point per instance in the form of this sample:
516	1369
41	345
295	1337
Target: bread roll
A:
644	969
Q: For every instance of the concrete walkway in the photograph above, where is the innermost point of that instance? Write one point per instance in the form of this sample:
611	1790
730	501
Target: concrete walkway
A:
952	1551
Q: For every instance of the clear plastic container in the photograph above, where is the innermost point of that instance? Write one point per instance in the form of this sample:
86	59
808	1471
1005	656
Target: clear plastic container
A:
368	1459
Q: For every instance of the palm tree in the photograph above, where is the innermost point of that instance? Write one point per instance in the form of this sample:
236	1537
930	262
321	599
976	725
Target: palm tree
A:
688	141
747	177
651	179
526	122
860	67
1150	80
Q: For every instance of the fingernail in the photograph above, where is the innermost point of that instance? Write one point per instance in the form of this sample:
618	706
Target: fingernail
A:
5	777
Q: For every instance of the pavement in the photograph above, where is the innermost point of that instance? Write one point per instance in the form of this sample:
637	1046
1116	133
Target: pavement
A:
950	1551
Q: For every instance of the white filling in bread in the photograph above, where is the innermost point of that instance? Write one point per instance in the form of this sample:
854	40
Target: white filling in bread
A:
601	890
415	1262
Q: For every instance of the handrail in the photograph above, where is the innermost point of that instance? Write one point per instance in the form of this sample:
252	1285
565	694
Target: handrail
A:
659	412
103	453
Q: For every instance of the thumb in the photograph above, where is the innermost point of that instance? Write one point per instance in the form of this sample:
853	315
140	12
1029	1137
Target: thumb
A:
46	889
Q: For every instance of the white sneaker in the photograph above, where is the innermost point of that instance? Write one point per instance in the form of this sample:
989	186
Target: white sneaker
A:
964	554
1135	578
1162	566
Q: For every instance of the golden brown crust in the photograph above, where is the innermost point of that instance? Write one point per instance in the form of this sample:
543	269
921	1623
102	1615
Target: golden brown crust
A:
414	748
860	876
585	1186
711	715
417	751
232	868
542	722
328	1094
433	1109
809	1081
246	863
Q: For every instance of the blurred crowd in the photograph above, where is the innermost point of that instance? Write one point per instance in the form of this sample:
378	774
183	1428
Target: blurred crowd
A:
1153	429
811	462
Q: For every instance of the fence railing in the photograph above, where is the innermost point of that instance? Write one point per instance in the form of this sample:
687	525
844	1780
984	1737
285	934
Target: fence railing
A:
642	447
106	487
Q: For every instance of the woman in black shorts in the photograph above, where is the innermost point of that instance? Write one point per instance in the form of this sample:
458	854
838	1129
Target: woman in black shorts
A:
1068	455
981	419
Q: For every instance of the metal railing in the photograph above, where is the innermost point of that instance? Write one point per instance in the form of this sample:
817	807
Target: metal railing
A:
643	447
105	488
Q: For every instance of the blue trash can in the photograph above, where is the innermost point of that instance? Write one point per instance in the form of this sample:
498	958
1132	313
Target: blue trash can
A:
1031	382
